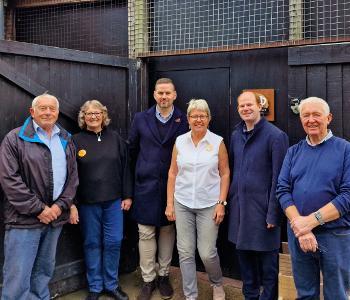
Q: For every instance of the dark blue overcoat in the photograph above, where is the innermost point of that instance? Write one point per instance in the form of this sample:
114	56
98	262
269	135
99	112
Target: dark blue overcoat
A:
152	156
255	164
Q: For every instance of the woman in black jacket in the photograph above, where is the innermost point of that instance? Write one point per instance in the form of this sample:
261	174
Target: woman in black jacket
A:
105	190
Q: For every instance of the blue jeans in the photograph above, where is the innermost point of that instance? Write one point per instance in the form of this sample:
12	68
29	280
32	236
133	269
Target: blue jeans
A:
259	268
102	228
29	262
196	227
332	259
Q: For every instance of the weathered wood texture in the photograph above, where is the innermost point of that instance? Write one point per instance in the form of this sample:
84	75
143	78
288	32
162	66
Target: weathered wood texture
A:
74	77
321	71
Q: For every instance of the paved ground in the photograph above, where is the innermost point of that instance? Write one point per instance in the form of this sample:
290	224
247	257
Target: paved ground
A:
132	282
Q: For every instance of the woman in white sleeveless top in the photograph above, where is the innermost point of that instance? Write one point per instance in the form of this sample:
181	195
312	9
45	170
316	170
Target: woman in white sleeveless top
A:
198	183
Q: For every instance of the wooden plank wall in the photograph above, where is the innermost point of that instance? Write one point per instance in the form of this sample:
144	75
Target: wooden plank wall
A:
321	71
27	70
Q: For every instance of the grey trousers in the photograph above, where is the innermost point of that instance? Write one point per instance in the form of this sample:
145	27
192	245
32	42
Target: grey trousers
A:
196	227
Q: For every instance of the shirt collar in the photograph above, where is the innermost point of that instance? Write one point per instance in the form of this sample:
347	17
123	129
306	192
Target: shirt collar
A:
206	138
161	118
327	137
55	129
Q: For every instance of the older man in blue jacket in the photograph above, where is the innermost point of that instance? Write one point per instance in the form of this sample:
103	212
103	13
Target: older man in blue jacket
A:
151	140
257	150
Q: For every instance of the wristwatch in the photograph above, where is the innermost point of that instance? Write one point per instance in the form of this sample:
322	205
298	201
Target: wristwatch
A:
224	203
319	218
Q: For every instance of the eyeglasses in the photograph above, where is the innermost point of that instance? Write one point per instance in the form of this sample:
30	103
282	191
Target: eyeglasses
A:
200	117
95	114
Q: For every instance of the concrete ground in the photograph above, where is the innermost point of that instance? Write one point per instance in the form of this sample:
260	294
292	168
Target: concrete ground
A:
132	282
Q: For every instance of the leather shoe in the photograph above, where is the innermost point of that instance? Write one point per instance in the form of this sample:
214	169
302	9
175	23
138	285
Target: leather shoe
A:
118	294
165	289
147	290
93	296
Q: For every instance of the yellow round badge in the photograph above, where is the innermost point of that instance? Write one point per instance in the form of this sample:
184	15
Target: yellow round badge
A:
81	153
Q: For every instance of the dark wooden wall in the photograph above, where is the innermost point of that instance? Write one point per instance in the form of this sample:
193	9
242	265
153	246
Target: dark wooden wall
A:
27	70
219	78
322	71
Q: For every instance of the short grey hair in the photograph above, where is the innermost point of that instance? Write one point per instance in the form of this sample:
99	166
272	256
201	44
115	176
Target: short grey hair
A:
96	104
199	104
314	100
45	95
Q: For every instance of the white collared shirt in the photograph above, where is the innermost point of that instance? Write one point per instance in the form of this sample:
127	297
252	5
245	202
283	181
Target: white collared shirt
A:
327	137
197	183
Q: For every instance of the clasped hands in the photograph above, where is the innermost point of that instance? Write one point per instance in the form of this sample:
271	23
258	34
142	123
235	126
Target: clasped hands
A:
49	214
302	228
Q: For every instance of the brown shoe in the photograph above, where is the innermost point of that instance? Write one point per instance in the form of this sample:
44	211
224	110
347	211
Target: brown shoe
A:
165	288
147	290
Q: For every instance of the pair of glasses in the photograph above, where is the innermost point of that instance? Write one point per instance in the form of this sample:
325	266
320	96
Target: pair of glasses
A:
200	117
96	114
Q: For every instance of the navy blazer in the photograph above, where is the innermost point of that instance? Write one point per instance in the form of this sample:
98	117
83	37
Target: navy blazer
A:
152	156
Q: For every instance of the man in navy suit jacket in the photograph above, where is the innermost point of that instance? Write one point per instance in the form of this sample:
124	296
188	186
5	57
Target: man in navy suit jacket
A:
151	140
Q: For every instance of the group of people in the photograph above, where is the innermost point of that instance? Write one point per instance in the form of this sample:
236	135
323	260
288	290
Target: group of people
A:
173	169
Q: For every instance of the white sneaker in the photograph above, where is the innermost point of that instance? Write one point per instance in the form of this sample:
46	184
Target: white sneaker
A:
218	292
191	298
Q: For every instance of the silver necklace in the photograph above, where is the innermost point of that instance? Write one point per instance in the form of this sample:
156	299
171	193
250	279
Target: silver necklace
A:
99	136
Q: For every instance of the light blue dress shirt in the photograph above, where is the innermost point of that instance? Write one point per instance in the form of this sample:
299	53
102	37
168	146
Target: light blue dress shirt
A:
58	157
160	117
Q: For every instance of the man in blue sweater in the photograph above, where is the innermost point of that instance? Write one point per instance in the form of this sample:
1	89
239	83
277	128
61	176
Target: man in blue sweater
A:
314	192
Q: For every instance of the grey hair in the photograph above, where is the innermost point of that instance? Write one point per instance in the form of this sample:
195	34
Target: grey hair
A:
314	100
199	104
96	104
45	95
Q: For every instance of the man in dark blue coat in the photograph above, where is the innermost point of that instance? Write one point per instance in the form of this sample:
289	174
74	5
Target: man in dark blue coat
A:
151	140
257	150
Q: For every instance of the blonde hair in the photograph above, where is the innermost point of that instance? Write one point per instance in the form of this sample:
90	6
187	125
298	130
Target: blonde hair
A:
95	104
199	104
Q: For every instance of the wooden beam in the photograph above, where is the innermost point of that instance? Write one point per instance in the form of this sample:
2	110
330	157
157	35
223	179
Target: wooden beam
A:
295	20
42	51
40	3
34	88
319	54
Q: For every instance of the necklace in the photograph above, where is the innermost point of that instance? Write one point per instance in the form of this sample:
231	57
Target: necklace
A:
98	134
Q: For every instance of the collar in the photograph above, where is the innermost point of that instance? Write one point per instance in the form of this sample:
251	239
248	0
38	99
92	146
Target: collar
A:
206	137
55	129
327	137
161	118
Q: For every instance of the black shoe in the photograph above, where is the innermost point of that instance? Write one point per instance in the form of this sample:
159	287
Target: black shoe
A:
118	294
147	290
165	288
93	296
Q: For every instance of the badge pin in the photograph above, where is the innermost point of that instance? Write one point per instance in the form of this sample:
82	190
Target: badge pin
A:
209	148
81	153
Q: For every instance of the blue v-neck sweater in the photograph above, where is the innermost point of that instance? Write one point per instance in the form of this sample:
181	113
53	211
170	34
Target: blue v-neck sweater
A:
312	176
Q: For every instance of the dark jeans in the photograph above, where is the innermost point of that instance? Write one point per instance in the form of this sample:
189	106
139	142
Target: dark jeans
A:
29	262
102	228
332	259
259	268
